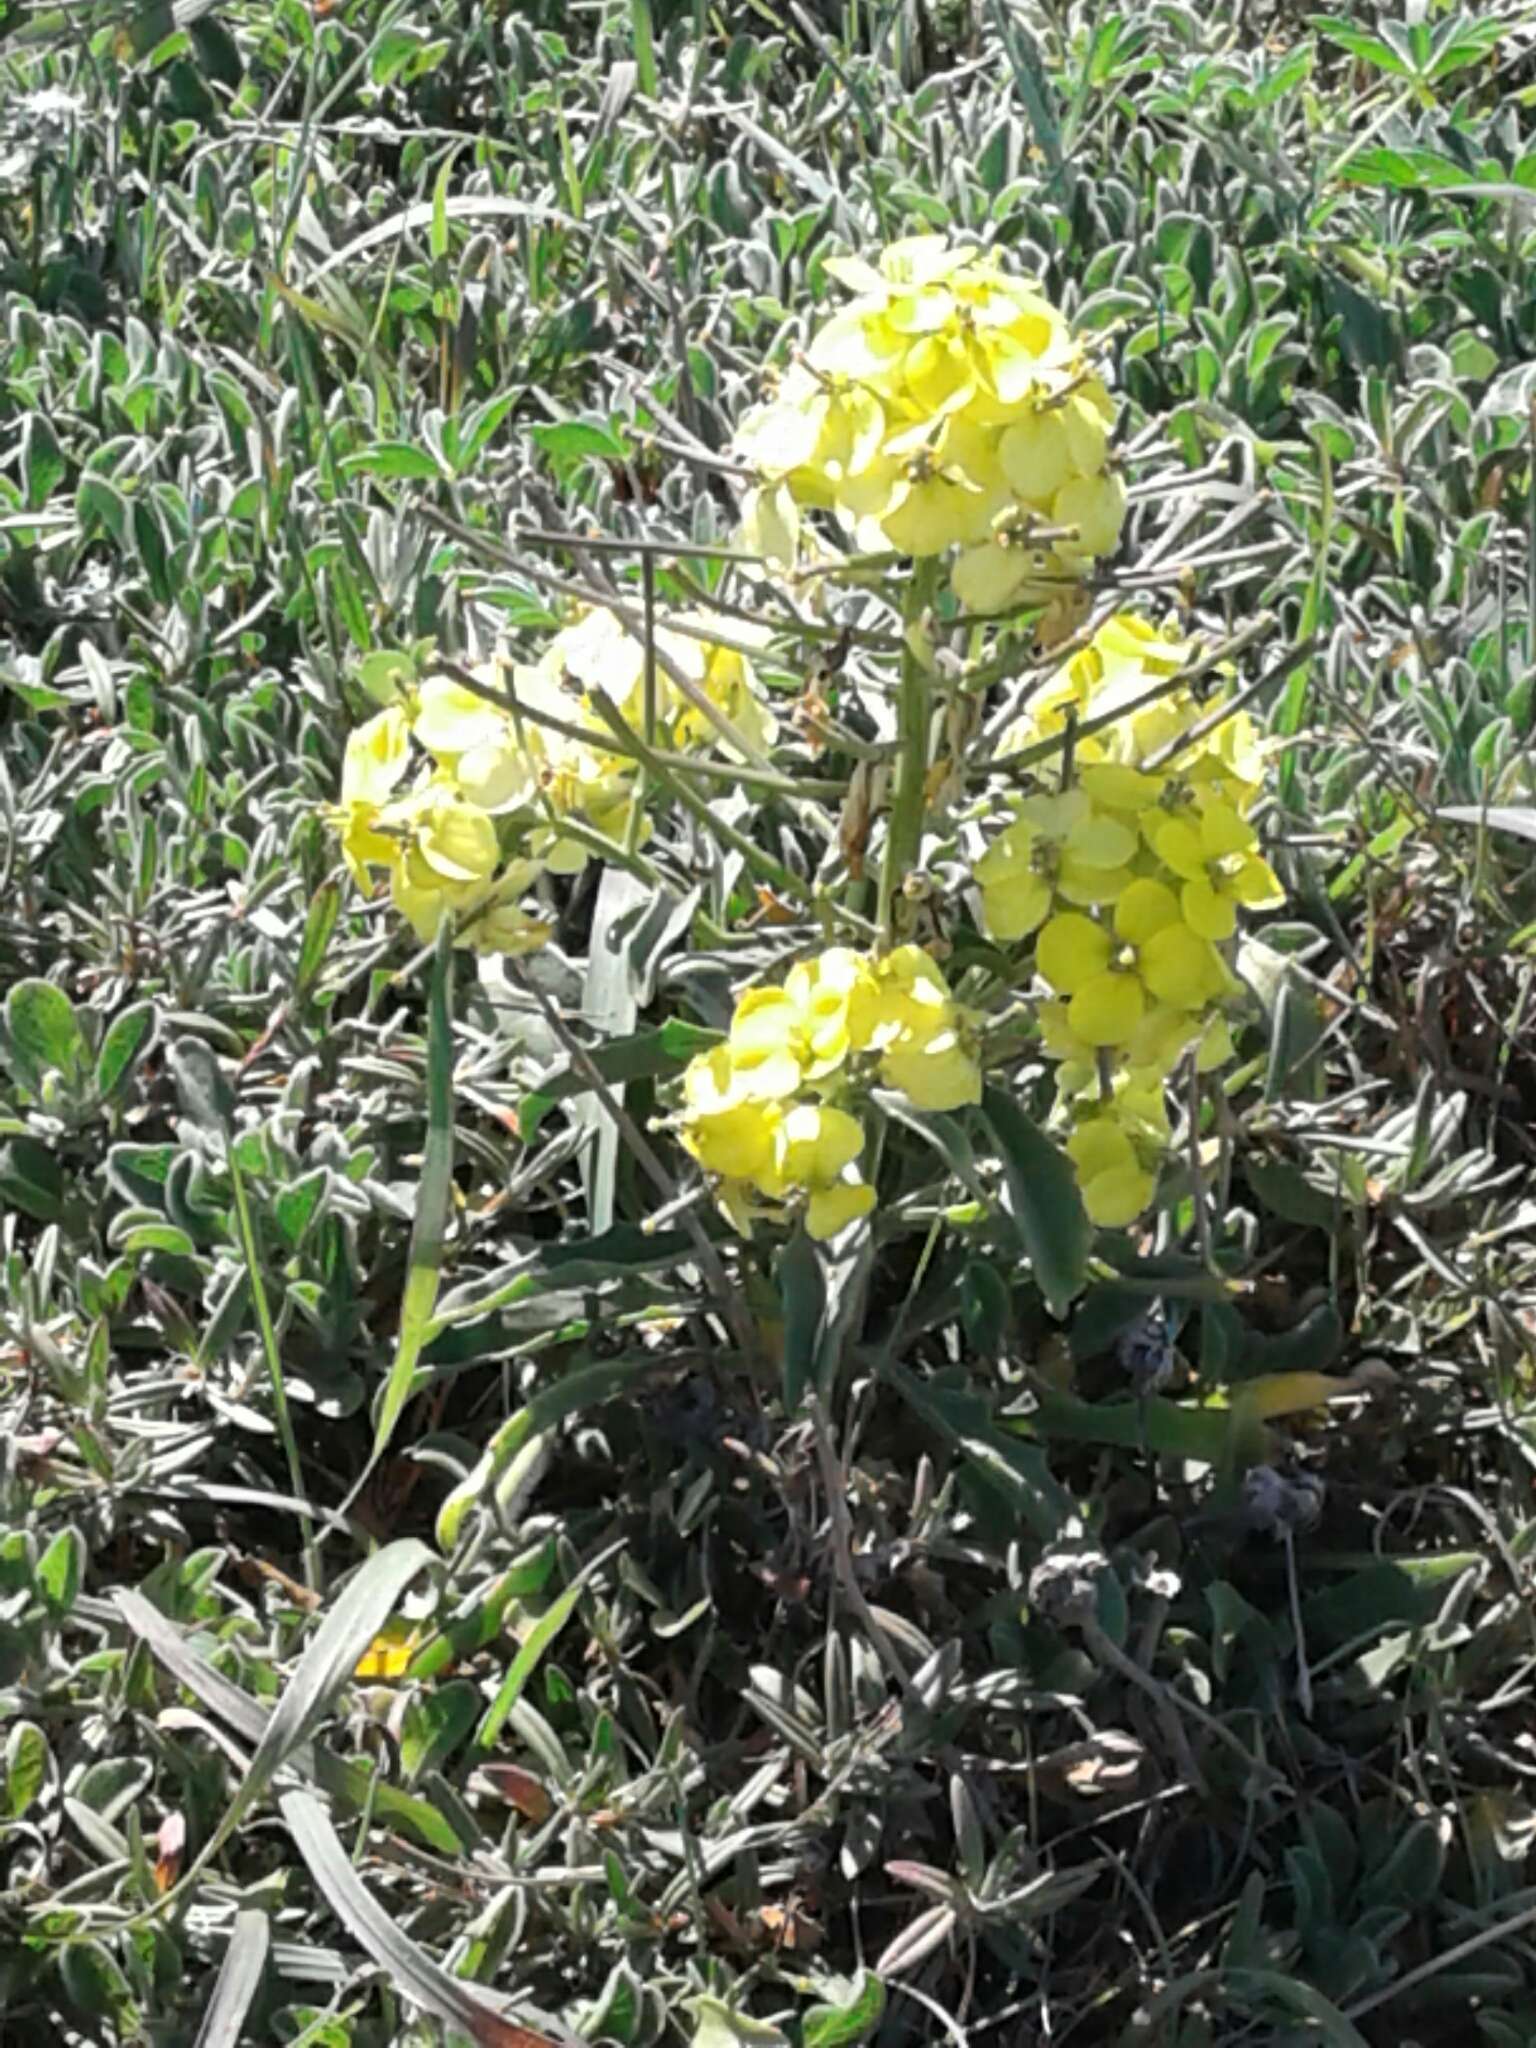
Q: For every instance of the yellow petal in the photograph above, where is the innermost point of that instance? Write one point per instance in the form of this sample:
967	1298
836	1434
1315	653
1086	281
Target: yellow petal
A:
1114	1200
832	1209
1014	908
989	577
1071	950
1096	507
1145	907
1222	831
1107	1009
937	1075
1036	455
376	757
451	719
1179	968
1257	885
766	1020
1179	846
1099	1146
1207	910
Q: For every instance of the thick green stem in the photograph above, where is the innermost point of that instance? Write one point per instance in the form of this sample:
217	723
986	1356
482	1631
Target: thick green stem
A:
914	726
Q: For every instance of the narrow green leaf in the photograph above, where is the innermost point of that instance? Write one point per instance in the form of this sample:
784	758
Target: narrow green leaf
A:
421	1979
719	2025
567	440
823	1292
1520	819
319	924
61	1570
239	1980
436	1722
327	1666
1030	81
348	1780
549	1407
424	1270
1044	1202
31	1179
531	1650
803	1299
645	46
645	1055
438	236
43	462
397	459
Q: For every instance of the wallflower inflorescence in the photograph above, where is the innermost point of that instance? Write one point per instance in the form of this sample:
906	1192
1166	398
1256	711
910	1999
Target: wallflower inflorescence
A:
772	1111
465	802
948	406
1128	879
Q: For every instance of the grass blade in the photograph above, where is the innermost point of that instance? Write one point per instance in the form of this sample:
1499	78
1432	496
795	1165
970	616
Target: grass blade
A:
422	1980
239	1978
537	1641
426	1257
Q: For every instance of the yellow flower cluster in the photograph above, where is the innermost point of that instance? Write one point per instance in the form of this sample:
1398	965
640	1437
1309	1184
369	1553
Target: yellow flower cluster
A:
949	406
465	801
1129	881
440	847
761	1111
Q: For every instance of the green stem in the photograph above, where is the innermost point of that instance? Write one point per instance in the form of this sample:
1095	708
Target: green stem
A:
251	1251
914	725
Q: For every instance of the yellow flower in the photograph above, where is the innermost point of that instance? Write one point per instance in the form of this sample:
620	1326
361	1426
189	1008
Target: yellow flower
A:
377	755
831	997
1108	1009
812	1146
1058	845
729	681
934	1072
1071	950
1127	661
474	742
1116	1187
1214	854
507	928
452	720
909	999
502	925
445	851
731	1112
944	398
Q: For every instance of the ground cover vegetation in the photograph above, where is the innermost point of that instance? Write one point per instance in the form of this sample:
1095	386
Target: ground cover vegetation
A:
766	1086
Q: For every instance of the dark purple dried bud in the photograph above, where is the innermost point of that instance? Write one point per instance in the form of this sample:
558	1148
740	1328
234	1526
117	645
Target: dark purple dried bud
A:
1146	1351
1275	1503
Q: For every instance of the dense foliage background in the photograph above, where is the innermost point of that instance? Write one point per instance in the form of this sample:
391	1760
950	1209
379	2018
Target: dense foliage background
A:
730	1717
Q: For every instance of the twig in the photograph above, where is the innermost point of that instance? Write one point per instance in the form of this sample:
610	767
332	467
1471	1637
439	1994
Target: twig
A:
834	1484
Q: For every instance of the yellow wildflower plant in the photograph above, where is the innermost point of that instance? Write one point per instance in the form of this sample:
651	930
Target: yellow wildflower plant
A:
1130	882
758	1111
420	783
947	407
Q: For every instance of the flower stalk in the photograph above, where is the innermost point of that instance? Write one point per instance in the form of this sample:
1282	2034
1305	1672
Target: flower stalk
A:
914	732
